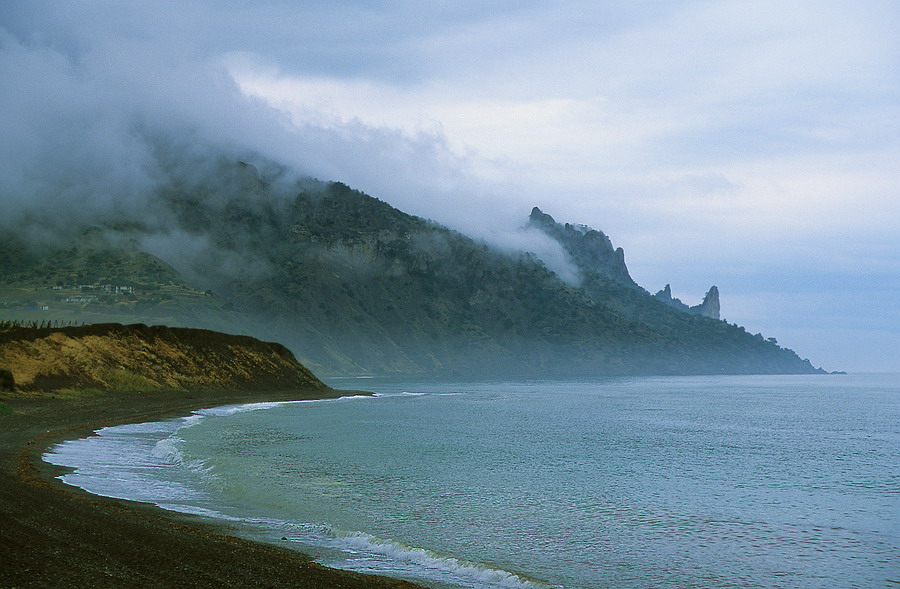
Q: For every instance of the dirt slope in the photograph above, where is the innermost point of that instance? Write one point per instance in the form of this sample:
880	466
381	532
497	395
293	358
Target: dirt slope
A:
141	358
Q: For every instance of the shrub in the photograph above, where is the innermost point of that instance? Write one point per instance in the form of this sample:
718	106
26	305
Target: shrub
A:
7	382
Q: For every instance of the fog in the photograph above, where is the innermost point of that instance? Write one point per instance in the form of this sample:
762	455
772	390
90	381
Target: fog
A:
94	133
749	145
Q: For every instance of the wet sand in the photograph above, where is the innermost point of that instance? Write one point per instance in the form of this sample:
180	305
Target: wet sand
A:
55	535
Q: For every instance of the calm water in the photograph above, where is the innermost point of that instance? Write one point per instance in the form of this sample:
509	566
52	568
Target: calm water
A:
651	482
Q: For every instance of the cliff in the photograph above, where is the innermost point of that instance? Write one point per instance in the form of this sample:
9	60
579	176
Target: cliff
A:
141	358
590	249
710	306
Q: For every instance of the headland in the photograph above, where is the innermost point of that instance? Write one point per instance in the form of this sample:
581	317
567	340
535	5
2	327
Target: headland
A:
73	381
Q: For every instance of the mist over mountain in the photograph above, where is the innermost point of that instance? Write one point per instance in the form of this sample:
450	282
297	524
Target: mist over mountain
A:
353	285
591	250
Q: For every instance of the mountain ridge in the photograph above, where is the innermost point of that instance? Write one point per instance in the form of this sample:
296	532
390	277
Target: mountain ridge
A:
355	286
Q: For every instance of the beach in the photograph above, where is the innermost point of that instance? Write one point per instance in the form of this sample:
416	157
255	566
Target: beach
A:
55	535
746	481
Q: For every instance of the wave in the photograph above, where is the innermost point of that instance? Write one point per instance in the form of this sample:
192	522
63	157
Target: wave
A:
147	462
169	450
226	410
123	462
414	394
435	566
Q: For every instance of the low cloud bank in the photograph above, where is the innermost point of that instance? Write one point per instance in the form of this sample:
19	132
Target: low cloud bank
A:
96	130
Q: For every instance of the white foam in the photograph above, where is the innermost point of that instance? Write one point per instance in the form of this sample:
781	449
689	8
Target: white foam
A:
120	462
169	451
436	566
401	394
197	510
226	410
126	462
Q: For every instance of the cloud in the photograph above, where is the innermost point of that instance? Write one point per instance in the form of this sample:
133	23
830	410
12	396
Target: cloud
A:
101	122
62	149
104	126
715	141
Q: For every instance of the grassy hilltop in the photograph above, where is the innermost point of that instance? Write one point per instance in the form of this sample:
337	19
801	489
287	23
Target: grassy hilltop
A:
138	358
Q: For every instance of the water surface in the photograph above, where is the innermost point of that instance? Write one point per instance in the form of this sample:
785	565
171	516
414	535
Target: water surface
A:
755	481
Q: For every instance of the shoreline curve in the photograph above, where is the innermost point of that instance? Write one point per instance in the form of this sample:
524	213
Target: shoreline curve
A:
57	535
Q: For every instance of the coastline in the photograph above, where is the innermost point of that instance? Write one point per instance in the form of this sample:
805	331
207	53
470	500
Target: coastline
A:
56	535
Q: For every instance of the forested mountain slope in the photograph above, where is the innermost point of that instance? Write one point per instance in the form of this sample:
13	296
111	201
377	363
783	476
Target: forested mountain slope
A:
352	285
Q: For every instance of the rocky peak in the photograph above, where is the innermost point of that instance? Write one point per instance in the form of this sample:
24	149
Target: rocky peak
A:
710	305
708	308
540	219
591	250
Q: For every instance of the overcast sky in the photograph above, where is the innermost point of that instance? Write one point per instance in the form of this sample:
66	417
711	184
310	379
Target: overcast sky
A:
752	144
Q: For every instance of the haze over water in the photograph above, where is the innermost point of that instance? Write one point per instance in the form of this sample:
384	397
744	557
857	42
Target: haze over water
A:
751	481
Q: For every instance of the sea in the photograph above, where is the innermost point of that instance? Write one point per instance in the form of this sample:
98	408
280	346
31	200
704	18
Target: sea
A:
675	482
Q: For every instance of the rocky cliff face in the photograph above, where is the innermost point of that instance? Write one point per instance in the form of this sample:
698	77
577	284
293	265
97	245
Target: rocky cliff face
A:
708	308
710	305
591	250
142	358
600	263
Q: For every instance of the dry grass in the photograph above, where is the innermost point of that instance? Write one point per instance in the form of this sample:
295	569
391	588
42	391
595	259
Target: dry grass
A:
140	358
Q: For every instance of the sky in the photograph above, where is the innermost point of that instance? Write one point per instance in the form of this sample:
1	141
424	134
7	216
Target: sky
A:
750	144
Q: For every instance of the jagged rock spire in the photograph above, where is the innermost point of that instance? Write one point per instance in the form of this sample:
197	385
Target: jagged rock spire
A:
708	308
710	305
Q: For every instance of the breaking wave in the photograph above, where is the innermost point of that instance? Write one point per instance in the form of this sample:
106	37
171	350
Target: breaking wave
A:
146	462
366	548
